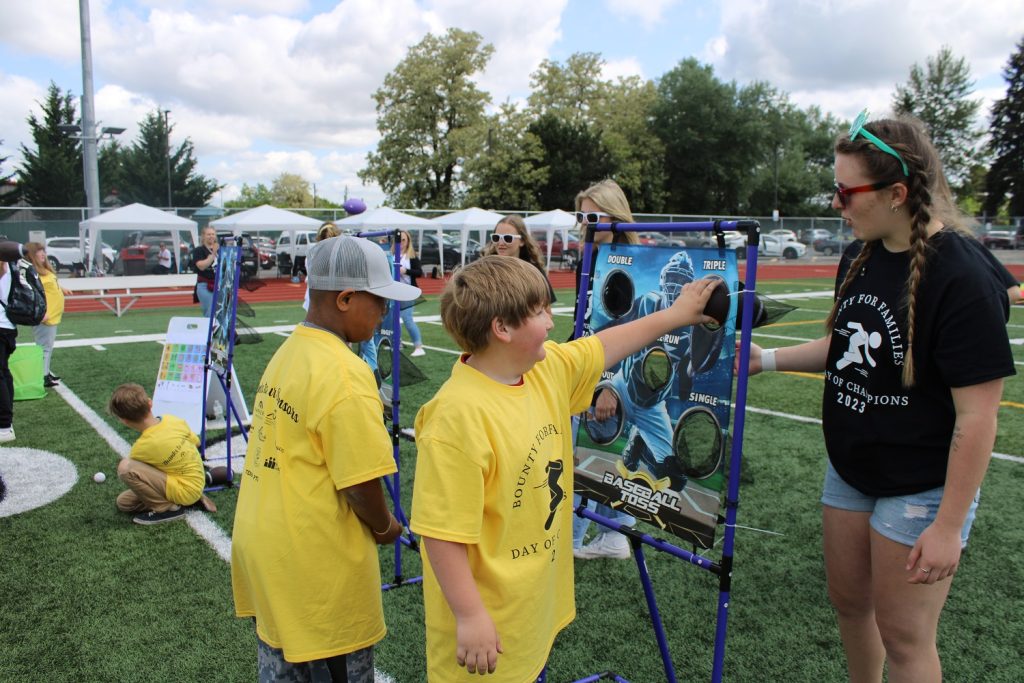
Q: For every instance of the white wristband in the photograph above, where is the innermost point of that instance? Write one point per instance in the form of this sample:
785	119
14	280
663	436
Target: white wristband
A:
768	360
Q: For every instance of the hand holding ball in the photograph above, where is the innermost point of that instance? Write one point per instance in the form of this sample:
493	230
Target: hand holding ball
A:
99	477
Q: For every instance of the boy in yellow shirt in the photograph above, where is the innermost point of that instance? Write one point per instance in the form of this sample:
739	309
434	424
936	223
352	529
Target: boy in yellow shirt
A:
492	497
311	507
164	472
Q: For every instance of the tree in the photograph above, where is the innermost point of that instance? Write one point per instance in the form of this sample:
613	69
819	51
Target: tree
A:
569	92
1005	179
574	156
509	168
251	197
939	95
429	114
292	191
51	174
142	173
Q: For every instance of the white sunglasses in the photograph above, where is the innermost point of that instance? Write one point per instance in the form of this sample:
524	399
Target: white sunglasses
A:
591	217
498	238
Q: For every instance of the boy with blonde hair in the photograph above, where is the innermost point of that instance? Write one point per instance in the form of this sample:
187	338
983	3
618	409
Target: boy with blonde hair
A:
311	507
492	498
163	471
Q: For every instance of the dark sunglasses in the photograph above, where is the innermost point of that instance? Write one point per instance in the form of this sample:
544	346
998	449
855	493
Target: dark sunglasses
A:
843	193
591	217
506	238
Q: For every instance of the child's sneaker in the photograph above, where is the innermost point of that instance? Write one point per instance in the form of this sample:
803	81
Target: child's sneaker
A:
417	352
159	517
6	434
609	544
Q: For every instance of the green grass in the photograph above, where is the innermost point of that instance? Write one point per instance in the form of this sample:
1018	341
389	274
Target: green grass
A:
88	596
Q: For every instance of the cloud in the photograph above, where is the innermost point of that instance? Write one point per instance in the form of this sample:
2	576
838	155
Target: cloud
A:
842	49
621	68
647	12
18	92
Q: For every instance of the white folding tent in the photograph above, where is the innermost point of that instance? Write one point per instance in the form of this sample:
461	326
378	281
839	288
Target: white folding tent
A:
267	218
385	218
466	220
137	217
549	221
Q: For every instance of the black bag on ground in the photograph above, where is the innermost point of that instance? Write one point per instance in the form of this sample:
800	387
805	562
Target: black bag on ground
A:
26	304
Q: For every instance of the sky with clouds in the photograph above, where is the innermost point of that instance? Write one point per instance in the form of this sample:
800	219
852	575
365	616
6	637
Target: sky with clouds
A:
269	86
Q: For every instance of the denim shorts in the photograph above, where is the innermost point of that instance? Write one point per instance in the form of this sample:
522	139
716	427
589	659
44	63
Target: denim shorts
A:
898	518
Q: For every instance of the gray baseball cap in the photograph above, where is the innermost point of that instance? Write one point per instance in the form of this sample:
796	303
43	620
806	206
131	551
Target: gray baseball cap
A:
341	263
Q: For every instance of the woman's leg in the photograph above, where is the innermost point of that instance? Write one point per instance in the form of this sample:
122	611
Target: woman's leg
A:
907	614
848	568
205	297
7	346
45	336
410	325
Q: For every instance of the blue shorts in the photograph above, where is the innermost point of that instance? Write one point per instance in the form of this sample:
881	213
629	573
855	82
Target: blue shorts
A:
898	518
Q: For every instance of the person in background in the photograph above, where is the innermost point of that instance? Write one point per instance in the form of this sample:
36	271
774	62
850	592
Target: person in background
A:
10	252
410	270
204	263
511	238
915	354
46	332
602	202
163	260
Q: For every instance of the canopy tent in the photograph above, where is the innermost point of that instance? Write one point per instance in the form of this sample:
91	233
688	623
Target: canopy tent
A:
466	220
267	217
549	221
383	218
136	217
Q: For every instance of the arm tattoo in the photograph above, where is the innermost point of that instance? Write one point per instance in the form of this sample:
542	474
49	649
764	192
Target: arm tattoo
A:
958	436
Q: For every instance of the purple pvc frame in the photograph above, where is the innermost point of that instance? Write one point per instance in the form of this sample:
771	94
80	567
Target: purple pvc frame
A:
394	482
722	568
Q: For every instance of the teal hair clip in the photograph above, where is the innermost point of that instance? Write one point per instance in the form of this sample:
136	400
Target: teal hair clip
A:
858	129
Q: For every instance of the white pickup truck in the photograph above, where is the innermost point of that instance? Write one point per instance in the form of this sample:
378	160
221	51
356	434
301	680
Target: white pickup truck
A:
65	252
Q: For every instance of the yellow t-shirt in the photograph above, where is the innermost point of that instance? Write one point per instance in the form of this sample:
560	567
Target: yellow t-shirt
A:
494	471
54	298
302	562
170	446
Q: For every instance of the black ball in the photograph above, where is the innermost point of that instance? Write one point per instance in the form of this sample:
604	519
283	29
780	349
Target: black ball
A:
718	305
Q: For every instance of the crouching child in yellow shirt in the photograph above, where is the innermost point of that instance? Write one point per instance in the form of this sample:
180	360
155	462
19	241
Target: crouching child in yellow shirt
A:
163	471
494	474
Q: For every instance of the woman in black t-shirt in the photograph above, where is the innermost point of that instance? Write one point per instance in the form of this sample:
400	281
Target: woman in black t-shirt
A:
914	359
204	262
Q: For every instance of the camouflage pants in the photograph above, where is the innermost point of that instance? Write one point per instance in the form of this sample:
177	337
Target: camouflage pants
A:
355	667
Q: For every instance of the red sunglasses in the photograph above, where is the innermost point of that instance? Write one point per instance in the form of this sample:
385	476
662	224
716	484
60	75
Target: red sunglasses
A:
844	192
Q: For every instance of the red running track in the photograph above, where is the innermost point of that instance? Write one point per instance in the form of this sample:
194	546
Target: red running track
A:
282	289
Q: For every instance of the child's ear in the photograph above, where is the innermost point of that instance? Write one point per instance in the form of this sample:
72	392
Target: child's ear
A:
500	331
344	299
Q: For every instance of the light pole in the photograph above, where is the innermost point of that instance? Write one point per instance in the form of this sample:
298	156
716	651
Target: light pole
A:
167	131
87	132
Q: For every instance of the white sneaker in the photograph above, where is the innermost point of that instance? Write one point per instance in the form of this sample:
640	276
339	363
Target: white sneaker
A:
609	544
417	352
6	434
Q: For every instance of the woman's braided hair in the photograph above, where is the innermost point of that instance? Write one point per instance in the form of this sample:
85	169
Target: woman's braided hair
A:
928	196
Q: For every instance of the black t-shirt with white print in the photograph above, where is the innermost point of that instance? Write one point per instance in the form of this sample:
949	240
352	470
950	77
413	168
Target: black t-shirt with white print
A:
882	438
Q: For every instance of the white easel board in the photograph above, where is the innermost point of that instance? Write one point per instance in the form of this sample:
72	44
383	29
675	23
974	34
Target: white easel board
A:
179	381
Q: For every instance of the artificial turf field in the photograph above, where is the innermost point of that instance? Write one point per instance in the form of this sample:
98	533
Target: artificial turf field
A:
85	595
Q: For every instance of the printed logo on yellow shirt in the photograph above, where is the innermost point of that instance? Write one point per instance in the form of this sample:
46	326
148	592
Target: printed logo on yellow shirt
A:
528	485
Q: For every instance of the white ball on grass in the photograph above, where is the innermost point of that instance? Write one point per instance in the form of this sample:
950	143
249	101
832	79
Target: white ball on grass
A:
99	477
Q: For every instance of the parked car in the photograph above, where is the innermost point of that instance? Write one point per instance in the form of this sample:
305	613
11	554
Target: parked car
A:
832	245
559	253
66	253
811	235
150	240
780	245
662	239
786	234
250	252
266	247
998	239
1018	239
283	249
428	251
